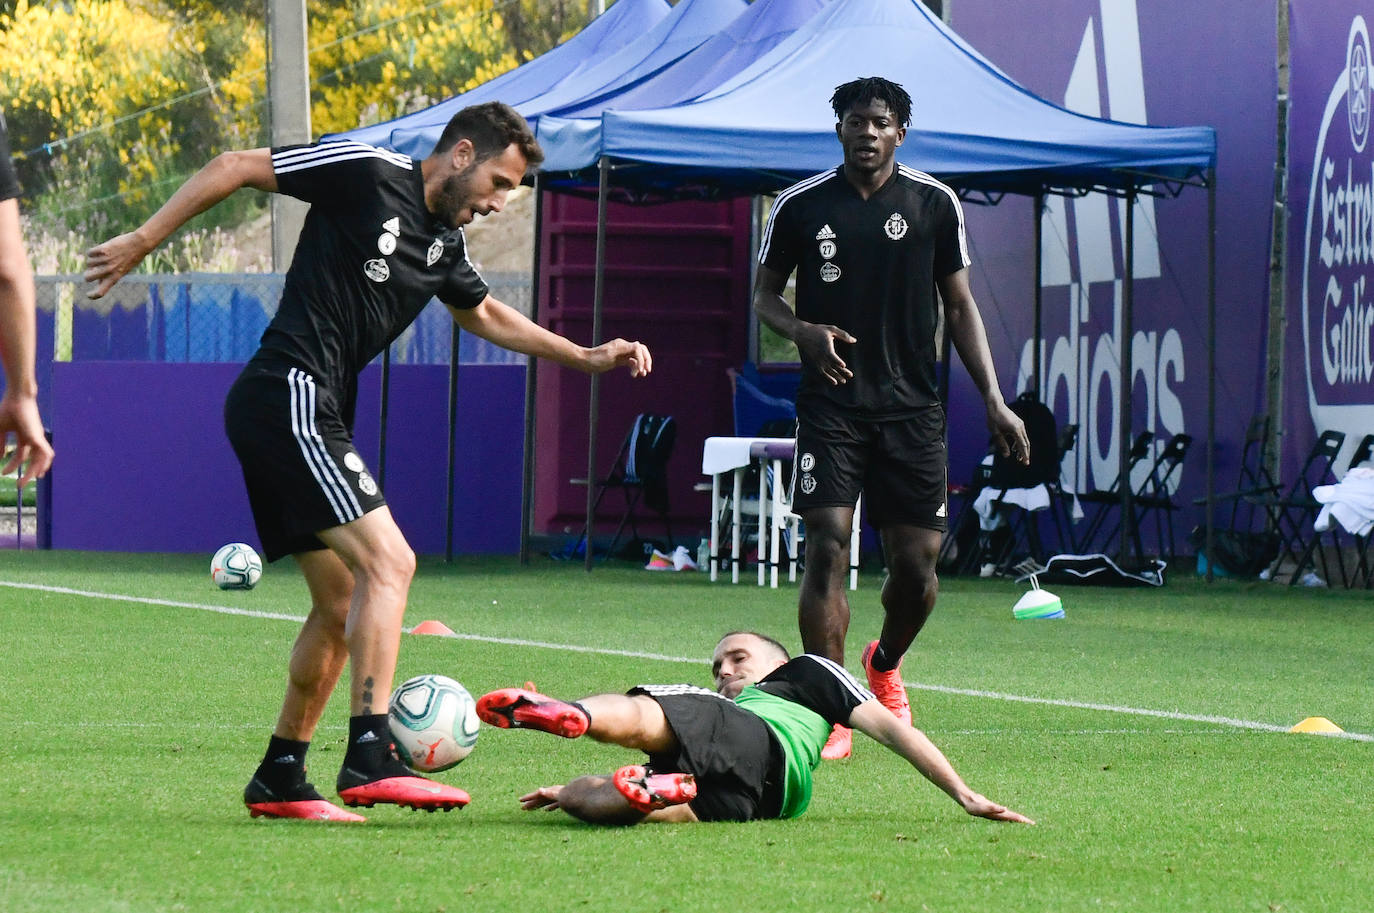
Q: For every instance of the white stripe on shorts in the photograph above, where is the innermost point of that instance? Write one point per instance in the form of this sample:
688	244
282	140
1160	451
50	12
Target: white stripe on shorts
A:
316	455
670	690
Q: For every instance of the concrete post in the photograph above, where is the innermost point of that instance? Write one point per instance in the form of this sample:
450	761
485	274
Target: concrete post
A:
288	93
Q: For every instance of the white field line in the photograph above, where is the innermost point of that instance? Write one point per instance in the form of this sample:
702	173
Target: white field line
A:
572	648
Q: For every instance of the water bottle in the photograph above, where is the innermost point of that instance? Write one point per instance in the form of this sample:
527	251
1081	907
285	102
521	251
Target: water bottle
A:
704	555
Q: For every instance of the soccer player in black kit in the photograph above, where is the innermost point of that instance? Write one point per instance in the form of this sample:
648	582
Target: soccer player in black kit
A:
382	237
871	243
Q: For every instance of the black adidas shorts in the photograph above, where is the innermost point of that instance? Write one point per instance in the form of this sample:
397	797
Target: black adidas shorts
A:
302	471
900	465
736	759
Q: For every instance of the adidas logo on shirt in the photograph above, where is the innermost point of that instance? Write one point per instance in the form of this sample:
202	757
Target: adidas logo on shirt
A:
826	233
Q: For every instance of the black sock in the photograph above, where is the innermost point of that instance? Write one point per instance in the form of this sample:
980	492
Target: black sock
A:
585	712
371	753
284	762
281	775
879	660
369	741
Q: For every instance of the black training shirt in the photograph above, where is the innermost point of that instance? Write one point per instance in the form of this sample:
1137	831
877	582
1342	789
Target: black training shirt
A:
819	684
369	259
9	181
869	267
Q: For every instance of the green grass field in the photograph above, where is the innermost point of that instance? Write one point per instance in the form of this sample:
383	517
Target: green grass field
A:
1144	733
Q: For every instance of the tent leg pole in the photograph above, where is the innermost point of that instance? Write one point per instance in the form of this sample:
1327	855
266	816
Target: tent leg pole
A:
1128	531
454	338
1037	354
531	378
598	300
1211	365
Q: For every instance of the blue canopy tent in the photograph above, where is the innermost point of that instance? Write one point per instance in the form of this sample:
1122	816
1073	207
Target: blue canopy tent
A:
977	129
689	24
571	136
770	125
614	30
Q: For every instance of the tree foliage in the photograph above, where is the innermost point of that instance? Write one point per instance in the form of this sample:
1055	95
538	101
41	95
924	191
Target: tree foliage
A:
113	103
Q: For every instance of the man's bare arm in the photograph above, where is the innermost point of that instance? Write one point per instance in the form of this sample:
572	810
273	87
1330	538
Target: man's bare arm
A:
500	323
965	327
107	263
877	722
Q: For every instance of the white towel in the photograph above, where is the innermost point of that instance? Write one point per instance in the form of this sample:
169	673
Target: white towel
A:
1350	502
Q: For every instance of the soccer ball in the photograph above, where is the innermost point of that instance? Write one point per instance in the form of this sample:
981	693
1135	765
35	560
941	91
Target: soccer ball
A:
236	567
433	721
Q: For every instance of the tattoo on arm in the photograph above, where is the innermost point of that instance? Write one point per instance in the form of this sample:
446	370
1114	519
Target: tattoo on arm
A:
367	695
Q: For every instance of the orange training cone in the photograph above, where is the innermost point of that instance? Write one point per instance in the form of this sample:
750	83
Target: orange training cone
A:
431	627
1316	724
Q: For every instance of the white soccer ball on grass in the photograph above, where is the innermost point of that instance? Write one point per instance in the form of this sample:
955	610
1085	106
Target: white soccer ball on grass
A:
236	567
433	721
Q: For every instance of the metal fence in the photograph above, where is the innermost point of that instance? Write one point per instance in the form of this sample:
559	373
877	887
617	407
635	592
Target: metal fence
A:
219	317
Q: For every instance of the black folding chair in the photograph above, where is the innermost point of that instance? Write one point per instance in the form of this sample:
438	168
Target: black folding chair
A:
1252	480
1364	452
1068	439
1155	497
1292	512
640	471
1104	501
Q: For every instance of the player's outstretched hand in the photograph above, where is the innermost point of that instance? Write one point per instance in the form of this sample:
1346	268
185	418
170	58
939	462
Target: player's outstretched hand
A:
983	807
107	263
816	343
545	797
619	352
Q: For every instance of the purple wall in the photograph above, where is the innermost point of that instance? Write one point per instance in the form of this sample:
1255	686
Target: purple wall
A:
1329	381
1136	62
145	465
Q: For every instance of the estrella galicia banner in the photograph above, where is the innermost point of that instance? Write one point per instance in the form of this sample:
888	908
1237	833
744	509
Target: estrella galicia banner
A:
1330	346
1152	63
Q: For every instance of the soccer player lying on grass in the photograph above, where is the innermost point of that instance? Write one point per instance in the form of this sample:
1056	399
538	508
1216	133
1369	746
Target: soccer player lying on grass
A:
744	751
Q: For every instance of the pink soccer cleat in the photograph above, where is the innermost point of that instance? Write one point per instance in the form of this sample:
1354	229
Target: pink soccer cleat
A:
307	809
301	802
408	792
647	791
840	744
520	708
887	687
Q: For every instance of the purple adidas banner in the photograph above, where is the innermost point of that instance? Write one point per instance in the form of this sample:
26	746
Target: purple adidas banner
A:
1329	357
1151	63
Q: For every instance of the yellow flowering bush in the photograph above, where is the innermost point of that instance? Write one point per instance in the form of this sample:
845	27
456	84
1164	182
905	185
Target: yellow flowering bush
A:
111	104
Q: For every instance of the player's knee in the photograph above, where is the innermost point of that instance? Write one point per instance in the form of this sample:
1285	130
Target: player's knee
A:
912	568
330	600
391	566
332	617
826	552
